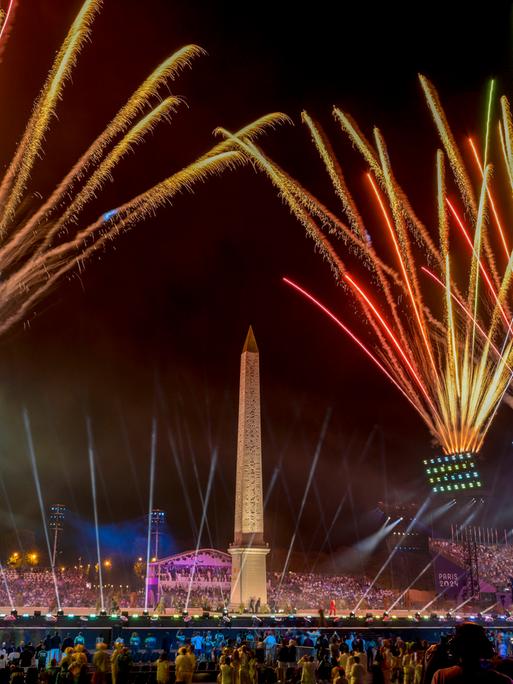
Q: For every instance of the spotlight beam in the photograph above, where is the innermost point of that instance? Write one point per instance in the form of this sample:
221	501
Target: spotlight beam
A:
198	483
206	500
153	458
35	473
464	603
439	595
322	525
486	610
313	466
92	470
183	486
393	552
6	585
431	562
7	500
342	501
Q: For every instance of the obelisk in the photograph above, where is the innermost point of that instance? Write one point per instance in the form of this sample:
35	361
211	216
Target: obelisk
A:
249	550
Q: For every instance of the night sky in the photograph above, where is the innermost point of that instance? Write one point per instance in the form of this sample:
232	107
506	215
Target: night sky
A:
155	327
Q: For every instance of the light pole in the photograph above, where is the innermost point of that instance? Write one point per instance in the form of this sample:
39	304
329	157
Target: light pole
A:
158	518
56	523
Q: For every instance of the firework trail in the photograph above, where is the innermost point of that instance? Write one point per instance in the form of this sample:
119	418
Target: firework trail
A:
38	249
6	18
452	363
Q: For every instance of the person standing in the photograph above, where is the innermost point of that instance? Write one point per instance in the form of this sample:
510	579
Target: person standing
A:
101	662
135	643
377	674
344	657
150	643
292	654
66	658
55	647
332	612
184	666
124	663
244	655
114	662
253	669
308	667
419	667
341	677
4	670
357	672
270	645
67	642
236	666
14	657
79	639
26	657
282	658
362	657
226	671
163	668
408	663
322	646
51	672
324	669
197	641
396	667
260	652
334	649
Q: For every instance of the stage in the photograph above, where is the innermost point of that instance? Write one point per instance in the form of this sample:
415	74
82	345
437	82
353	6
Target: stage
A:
94	627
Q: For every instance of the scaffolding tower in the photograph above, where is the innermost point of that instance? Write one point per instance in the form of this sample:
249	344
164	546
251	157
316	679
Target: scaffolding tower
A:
470	551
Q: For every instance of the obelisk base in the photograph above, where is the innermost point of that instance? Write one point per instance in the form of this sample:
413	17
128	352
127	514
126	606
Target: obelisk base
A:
249	578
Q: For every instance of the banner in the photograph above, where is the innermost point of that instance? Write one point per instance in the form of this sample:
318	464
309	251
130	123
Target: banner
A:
449	579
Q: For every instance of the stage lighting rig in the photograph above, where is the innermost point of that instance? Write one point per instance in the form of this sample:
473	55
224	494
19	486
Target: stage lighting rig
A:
453	473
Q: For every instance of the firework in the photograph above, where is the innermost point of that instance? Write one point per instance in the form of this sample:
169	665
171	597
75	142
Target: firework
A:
452	363
6	19
38	248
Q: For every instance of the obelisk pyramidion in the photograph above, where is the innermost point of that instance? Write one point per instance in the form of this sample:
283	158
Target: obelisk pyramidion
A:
249	550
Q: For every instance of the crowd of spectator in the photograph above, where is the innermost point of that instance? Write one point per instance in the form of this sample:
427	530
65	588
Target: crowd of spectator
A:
495	560
209	589
35	587
307	590
27	588
262	657
181	575
295	591
210	598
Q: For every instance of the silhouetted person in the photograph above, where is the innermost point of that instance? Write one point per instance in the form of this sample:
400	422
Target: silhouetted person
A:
67	642
124	662
470	647
26	657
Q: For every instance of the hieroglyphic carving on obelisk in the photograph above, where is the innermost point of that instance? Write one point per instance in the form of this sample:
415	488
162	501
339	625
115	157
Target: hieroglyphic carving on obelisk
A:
248	550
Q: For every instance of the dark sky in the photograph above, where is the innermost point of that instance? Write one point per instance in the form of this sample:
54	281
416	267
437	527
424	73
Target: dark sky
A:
156	326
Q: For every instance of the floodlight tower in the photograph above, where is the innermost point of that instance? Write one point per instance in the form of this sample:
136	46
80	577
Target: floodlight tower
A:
56	523
158	519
